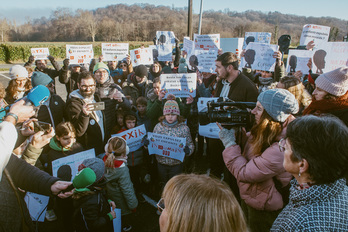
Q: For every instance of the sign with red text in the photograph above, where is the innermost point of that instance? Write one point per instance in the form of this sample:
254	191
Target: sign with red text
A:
134	137
179	84
316	33
207	42
141	56
79	54
167	146
40	53
114	51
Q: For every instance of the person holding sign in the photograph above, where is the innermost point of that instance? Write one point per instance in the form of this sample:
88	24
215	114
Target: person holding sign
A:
172	124
68	75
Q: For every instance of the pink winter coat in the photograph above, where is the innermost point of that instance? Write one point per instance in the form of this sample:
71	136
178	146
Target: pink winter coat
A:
254	173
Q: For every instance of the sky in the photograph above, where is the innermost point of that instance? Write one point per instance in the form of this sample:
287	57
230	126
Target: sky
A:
21	10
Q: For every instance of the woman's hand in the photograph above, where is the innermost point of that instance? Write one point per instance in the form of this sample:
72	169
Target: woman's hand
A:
227	137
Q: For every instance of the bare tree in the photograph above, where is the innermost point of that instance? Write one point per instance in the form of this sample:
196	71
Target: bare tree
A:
4	29
88	21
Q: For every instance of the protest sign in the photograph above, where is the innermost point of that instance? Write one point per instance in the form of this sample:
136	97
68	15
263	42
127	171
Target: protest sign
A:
79	54
141	56
36	205
114	51
210	130
206	60
40	53
165	37
232	45
154	52
297	60
188	45
329	56
260	37
134	137
210	41
71	162
316	33
167	146
117	221
164	52
259	56
179	84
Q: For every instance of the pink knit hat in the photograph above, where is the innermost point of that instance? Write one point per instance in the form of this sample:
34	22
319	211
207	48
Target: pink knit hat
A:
334	82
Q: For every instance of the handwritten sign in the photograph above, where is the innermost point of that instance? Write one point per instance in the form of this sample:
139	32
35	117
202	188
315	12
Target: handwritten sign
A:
297	60
79	54
114	51
36	205
210	41
316	33
179	84
167	146
165	37
40	53
206	60
141	56
260	37
134	137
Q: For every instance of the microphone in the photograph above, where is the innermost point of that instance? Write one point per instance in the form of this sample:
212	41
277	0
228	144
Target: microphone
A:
85	178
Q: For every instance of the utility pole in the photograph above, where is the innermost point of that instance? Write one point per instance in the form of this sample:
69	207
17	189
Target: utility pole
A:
189	25
200	19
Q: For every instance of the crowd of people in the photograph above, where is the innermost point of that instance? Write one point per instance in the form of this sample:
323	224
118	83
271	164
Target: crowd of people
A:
285	172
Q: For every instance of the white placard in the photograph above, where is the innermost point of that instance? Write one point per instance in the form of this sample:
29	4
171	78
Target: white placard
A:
297	60
234	45
329	56
164	52
260	37
165	37
179	84
188	44
114	51
316	33
134	137
73	161
206	60
154	52
167	146
141	56
79	54
259	56
40	53
36	205
210	41
117	221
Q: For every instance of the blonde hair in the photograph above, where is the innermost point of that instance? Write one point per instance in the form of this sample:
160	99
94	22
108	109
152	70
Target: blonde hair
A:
264	133
115	147
199	203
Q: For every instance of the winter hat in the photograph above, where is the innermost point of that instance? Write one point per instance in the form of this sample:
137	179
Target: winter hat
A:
141	71
278	103
97	165
171	106
182	66
83	179
100	65
334	82
40	78
17	71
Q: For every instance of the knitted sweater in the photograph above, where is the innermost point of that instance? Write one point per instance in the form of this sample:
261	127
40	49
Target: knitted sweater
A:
318	208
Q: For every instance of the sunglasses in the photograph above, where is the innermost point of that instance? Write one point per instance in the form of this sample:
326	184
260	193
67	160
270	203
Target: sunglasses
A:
160	205
123	65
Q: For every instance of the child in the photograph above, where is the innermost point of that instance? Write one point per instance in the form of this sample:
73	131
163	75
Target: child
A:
141	113
119	121
172	124
119	185
91	207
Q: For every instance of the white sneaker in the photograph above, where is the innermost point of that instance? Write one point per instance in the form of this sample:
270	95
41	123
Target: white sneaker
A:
50	215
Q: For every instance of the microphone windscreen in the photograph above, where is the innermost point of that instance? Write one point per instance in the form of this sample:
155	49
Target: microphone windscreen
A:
38	95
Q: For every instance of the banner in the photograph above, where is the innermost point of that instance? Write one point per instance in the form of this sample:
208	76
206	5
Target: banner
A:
210	130
79	54
260	37
206	60
167	146
36	205
179	84
164	52
165	37
316	33
298	60
40	53
71	163
114	51
329	56
259	56
134	137
206	42
141	56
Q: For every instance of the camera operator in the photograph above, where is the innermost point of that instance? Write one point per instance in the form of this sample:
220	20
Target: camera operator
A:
257	164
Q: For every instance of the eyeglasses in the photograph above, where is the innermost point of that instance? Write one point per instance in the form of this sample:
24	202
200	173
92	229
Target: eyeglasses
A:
281	144
160	205
87	86
123	65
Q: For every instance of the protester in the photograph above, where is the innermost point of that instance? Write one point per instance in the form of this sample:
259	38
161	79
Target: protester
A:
68	75
18	85
155	70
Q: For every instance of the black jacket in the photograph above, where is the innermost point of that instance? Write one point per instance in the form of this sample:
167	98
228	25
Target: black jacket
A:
57	107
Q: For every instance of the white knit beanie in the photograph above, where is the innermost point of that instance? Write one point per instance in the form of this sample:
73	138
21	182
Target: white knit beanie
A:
17	71
334	82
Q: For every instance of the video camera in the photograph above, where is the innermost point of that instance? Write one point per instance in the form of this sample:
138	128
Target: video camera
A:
229	114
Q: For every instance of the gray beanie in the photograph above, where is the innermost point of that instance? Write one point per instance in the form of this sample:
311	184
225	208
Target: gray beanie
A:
96	164
334	82
278	103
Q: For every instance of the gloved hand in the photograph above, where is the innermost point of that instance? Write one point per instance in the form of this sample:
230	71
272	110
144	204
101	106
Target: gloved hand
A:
66	62
187	150
31	59
227	137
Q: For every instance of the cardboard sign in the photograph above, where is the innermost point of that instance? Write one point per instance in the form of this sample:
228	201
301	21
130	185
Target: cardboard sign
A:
40	53
134	137
164	52
72	161
114	51
79	54
259	56
36	205
329	56
316	33
297	61
260	37
206	60
206	42
167	146
141	56
179	84
165	37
